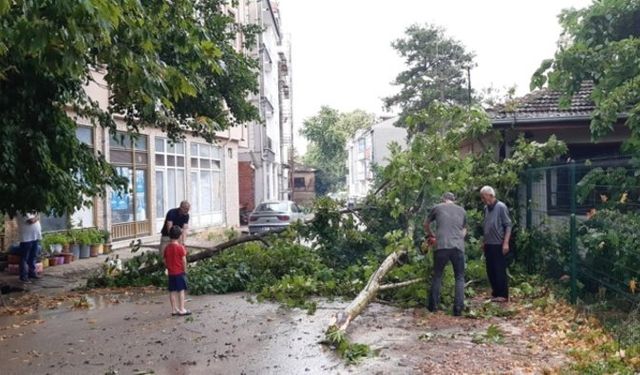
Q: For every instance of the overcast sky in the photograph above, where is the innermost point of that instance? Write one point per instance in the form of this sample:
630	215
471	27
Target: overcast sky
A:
342	55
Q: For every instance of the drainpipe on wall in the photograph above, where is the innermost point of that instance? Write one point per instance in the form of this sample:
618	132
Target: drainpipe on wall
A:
224	178
259	14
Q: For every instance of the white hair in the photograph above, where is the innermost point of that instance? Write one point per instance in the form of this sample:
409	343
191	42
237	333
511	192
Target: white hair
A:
488	190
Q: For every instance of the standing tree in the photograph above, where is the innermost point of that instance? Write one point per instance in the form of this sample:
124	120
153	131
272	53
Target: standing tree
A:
601	44
327	133
167	64
437	68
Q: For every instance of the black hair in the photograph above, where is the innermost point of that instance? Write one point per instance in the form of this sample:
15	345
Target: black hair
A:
175	232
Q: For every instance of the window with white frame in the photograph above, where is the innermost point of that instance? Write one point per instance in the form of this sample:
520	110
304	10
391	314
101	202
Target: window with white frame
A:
170	175
206	194
82	217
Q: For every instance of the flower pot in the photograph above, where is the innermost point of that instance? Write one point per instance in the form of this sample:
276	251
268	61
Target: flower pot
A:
94	250
39	267
13	269
53	261
100	248
45	262
59	260
85	251
13	259
66	248
68	257
107	248
75	250
57	248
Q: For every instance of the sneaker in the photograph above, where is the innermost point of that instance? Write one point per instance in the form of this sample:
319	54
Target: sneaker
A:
26	281
36	277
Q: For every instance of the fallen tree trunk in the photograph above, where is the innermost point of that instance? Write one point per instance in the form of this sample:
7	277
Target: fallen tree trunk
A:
212	251
209	252
341	320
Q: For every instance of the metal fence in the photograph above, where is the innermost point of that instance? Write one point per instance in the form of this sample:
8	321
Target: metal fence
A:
582	223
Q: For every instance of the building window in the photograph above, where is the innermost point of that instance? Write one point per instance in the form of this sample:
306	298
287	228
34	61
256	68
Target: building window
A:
170	175
206	192
84	216
130	159
298	183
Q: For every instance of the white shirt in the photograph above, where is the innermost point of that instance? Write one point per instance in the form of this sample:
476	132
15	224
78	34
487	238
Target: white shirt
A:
29	232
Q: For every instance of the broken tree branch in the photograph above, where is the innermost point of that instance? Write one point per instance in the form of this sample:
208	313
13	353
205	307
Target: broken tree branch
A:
342	319
401	284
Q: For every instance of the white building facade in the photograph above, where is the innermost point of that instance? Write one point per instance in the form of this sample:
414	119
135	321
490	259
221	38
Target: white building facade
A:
368	148
264	157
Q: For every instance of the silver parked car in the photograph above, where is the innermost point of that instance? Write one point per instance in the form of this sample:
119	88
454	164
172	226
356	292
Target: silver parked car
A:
273	215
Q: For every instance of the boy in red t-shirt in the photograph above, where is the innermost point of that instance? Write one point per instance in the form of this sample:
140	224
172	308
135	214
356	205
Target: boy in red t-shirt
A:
175	258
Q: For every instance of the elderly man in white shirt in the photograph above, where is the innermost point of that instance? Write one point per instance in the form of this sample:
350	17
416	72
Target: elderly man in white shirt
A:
30	236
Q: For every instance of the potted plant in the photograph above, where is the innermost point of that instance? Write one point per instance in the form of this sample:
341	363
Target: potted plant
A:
55	242
48	253
106	238
74	244
84	240
96	242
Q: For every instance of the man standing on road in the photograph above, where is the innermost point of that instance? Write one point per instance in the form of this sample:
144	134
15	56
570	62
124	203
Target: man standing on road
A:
30	236
451	221
497	233
175	216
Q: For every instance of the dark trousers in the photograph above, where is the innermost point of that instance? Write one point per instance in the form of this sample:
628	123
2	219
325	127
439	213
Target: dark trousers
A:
28	254
497	270
440	259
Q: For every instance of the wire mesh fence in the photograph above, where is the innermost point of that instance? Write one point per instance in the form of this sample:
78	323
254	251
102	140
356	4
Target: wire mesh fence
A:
582	223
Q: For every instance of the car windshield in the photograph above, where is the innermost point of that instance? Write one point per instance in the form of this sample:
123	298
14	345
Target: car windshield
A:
273	207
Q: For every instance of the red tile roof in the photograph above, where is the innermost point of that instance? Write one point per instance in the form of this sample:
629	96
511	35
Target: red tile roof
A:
544	104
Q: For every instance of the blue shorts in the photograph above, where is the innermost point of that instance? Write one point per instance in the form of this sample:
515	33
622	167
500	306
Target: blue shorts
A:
177	283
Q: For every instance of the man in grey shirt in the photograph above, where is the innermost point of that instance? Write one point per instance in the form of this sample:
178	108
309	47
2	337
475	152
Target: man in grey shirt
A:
497	233
451	221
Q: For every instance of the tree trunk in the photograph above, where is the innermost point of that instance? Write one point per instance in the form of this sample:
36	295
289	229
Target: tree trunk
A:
342	319
208	253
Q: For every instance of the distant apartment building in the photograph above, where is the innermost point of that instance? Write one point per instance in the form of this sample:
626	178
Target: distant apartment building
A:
264	157
369	148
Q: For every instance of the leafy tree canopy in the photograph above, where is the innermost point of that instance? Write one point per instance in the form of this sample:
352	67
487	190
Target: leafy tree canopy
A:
327	133
600	43
167	64
436	70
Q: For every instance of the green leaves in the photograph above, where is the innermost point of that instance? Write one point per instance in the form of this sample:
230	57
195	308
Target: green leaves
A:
601	44
163	69
436	70
327	133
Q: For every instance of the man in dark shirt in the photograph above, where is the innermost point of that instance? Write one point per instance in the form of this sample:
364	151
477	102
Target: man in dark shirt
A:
175	216
451	222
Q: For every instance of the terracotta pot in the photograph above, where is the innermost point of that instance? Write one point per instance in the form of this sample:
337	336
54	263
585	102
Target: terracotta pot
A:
94	250
13	269
13	259
53	261
68	257
107	248
65	248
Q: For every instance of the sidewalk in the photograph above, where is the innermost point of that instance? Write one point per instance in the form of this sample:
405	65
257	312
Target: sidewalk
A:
73	275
